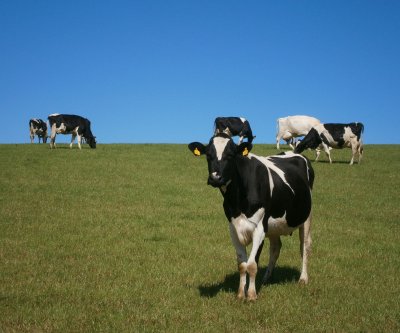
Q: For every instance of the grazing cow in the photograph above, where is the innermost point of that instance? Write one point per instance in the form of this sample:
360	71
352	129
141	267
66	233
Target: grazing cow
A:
335	136
263	196
292	127
38	127
71	124
234	126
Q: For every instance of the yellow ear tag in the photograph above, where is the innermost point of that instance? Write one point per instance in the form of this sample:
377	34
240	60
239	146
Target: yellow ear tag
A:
196	152
245	152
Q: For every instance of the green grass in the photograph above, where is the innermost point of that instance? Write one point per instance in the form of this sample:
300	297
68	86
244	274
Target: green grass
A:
129	238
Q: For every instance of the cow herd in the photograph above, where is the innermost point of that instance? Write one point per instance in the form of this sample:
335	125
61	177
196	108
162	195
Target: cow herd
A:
78	126
263	196
269	196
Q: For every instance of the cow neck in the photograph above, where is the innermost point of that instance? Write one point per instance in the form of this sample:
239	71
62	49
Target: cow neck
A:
234	190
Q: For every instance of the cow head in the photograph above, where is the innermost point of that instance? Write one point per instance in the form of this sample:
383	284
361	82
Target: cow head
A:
312	140
91	141
221	154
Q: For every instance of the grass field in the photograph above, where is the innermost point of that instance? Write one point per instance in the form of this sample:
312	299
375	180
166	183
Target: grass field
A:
129	238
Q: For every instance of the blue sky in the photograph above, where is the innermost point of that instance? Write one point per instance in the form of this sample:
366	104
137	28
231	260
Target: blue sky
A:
161	71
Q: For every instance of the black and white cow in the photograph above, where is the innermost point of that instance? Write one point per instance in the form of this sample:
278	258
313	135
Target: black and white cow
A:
263	197
37	127
335	136
71	124
234	126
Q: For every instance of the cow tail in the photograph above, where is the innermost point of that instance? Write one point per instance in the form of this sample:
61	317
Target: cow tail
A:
361	130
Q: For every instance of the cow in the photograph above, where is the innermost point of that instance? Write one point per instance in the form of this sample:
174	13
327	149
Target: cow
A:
70	124
234	126
263	197
291	127
38	127
334	135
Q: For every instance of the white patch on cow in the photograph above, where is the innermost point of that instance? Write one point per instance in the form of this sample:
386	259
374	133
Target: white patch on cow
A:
220	144
348	137
244	226
270	165
61	129
242	119
278	226
271	182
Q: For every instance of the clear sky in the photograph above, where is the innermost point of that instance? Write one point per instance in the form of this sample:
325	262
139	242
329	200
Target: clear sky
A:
160	71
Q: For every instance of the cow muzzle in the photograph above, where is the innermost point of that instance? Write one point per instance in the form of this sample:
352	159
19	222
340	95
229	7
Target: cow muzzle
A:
215	180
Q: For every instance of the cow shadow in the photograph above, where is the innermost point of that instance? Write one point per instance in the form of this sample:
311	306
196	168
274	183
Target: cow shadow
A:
280	275
67	147
333	162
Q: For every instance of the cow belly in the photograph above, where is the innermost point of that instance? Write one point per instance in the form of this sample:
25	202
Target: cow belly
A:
245	226
278	226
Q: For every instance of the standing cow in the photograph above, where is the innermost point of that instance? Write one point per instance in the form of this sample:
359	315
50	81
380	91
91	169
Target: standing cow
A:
292	127
38	127
263	196
234	126
335	136
71	124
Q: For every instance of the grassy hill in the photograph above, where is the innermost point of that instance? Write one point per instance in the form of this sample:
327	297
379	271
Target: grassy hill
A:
129	238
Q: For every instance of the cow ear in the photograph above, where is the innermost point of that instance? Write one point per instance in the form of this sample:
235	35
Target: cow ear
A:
244	148
197	148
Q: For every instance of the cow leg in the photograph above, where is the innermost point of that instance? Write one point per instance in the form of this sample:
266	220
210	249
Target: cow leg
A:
352	158
355	148
259	252
72	140
275	245
241	260
79	140
32	136
258	241
240	139
317	152
360	151
305	248
53	136
278	139
327	152
292	143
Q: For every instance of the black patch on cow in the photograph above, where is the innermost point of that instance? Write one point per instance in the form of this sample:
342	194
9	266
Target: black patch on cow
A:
337	133
297	203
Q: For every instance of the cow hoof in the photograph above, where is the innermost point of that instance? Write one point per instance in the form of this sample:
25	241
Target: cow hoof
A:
251	295
240	296
303	281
